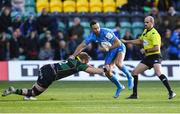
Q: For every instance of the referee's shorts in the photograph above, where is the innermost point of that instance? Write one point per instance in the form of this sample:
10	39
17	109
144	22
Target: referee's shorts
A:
151	60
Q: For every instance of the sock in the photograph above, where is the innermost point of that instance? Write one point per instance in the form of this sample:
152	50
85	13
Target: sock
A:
29	92
164	80
115	81
126	71
135	84
18	91
25	92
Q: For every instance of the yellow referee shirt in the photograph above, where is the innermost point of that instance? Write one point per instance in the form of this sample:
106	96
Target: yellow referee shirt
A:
151	38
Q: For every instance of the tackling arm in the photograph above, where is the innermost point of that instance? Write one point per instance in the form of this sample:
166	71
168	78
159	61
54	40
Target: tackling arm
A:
93	70
79	49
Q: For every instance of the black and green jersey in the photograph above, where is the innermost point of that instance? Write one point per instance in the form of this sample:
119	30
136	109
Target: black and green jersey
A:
68	67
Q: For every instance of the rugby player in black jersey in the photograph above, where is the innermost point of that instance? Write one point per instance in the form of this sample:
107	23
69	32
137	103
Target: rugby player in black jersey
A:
52	72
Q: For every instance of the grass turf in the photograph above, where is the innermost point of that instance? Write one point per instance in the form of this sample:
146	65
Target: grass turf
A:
92	97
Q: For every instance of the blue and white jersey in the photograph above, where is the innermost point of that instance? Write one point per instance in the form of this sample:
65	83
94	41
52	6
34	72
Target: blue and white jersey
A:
106	35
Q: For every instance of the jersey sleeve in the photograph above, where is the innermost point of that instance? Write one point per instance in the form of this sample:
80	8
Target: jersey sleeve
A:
141	36
155	38
82	67
89	39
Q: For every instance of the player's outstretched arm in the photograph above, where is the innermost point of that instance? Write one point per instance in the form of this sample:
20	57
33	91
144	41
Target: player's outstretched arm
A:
93	70
78	49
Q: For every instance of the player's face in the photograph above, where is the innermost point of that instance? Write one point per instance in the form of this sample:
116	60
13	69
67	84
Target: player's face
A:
96	28
147	23
85	61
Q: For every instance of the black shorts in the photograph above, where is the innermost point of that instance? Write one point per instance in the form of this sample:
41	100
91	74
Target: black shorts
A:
151	60
46	76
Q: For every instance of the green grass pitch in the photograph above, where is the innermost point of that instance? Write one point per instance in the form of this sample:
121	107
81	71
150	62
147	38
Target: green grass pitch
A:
92	97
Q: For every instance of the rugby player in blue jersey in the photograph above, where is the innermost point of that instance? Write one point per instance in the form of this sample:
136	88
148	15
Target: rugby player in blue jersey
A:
115	53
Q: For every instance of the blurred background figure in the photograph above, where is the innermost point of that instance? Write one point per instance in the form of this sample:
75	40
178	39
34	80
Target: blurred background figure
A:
117	30
129	47
61	52
5	3
14	46
28	25
46	52
172	17
174	44
16	23
163	5
3	46
32	46
76	31
157	18
165	44
5	20
43	21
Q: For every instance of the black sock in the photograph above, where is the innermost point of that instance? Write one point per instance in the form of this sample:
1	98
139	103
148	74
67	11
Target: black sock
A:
29	92
164	80
18	91
135	84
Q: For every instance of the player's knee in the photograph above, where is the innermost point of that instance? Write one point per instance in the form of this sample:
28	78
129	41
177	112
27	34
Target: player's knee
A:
158	72
119	65
134	73
35	91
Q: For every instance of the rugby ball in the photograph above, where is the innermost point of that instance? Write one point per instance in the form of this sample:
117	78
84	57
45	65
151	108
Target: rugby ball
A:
106	45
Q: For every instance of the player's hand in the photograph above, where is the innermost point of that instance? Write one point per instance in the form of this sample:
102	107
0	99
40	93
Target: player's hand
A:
106	46
123	41
106	68
103	49
71	57
106	49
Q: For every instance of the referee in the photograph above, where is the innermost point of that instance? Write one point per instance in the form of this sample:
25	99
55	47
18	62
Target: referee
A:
151	41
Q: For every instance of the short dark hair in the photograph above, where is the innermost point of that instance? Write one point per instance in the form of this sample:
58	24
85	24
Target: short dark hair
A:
93	22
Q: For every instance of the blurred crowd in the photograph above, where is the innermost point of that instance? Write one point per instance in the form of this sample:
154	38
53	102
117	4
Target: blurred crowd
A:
37	37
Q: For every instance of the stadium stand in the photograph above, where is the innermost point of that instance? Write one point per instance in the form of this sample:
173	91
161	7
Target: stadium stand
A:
110	20
41	4
109	6
120	3
55	6
30	6
95	6
137	28
69	6
82	6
